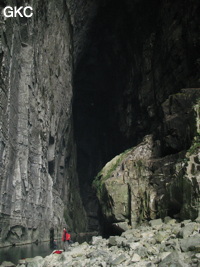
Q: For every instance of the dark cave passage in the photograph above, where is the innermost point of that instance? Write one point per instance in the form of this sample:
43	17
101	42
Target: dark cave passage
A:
121	80
107	115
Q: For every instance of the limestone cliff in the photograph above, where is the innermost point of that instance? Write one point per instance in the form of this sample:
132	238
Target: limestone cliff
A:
81	81
38	186
140	184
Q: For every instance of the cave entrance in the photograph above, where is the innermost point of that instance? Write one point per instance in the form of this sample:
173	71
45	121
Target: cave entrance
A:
174	208
99	81
105	103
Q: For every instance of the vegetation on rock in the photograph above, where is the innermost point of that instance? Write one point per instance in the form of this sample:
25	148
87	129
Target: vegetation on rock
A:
140	185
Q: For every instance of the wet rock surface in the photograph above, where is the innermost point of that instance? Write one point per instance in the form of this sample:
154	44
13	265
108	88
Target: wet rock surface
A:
156	244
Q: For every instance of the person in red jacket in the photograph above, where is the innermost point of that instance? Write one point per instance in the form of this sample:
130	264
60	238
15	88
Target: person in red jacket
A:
64	239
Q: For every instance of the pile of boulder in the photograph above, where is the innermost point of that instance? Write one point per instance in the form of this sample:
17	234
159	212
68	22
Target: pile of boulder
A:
159	243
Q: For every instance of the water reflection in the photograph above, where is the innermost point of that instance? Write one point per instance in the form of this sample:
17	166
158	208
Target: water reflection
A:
14	254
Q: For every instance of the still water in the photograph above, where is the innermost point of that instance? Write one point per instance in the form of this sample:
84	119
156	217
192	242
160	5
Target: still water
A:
14	254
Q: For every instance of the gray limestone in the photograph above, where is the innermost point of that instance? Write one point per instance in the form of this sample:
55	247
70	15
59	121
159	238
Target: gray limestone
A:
100	252
39	188
38	184
139	185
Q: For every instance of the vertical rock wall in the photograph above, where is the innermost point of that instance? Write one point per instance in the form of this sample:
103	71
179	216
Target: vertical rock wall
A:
128	59
38	183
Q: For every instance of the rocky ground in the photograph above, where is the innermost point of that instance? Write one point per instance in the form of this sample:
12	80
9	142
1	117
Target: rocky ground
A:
159	243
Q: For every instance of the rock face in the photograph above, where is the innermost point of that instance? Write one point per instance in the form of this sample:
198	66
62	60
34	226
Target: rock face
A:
141	184
80	82
38	186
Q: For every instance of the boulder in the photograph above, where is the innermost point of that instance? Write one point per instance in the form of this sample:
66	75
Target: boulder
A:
120	259
96	240
138	185
34	262
156	222
172	260
188	229
169	220
161	236
112	240
7	264
135	258
190	244
78	251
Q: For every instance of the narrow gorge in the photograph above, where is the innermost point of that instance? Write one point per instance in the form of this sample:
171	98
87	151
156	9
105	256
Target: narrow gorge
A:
100	116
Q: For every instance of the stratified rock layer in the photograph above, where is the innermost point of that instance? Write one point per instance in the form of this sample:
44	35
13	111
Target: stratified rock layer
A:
38	186
133	56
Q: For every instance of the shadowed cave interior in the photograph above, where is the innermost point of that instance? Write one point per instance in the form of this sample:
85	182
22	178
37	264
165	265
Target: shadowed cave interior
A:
110	113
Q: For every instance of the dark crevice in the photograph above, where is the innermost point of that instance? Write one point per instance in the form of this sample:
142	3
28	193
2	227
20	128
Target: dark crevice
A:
51	167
